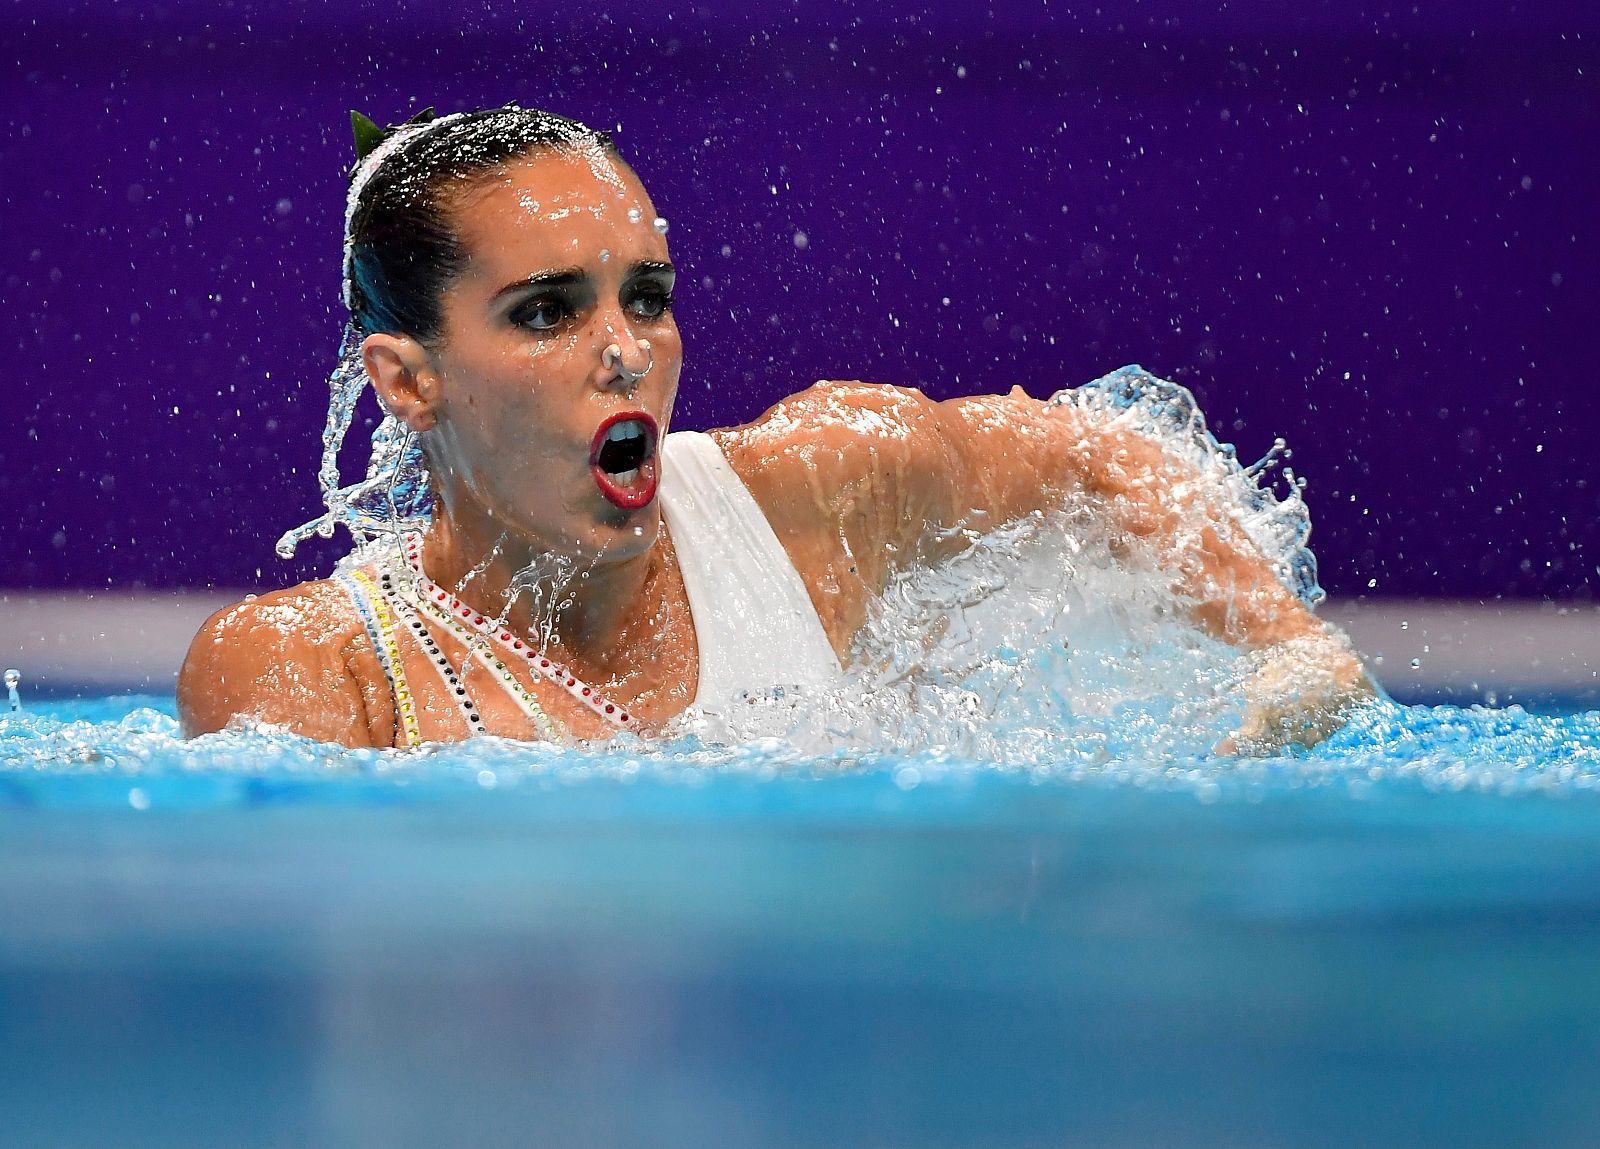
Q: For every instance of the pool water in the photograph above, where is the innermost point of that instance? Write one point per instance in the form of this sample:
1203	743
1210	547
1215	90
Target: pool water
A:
254	940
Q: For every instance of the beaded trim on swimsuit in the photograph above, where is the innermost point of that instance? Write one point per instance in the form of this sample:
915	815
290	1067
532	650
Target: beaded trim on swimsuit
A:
453	687
479	646
434	597
380	624
385	608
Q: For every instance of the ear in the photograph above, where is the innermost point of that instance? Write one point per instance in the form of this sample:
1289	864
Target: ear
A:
403	376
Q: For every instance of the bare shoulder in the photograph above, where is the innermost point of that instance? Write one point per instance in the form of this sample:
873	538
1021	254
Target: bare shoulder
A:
283	658
859	480
830	415
817	452
979	458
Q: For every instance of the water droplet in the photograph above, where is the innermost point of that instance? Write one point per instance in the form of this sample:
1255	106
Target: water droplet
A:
634	215
660	224
138	798
605	254
1405	625
1416	664
801	240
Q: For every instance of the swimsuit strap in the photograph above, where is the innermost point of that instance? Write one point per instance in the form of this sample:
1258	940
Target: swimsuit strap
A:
380	624
453	687
754	621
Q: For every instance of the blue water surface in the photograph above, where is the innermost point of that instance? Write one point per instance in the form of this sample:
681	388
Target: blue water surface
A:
255	940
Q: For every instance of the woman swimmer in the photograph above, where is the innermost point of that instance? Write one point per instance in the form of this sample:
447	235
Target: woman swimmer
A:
574	570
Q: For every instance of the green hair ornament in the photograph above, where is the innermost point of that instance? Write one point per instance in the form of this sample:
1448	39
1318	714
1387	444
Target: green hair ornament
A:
369	135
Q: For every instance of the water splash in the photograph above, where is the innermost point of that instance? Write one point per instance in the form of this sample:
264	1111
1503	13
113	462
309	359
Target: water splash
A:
1034	645
1051	639
394	496
1280	526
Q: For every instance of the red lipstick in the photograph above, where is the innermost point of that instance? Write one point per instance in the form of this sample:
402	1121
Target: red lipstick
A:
622	459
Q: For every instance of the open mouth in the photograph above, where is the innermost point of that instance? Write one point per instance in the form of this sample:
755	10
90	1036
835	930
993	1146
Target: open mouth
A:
622	459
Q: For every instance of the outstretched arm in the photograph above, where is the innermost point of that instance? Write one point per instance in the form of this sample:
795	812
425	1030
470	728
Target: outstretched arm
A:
862	479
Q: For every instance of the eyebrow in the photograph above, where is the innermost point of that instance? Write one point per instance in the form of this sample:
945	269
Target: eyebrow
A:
561	277
571	276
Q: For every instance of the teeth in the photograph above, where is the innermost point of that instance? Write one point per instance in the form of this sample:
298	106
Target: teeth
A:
627	429
623	478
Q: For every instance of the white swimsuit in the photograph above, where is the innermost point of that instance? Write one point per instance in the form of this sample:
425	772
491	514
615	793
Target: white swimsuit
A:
753	619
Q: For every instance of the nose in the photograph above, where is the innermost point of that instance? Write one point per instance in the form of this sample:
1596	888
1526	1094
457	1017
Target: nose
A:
626	361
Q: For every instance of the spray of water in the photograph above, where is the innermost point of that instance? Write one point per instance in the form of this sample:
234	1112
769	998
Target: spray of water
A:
1051	640
1165	412
393	496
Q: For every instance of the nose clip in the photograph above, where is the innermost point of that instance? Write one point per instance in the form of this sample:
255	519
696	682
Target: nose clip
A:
611	360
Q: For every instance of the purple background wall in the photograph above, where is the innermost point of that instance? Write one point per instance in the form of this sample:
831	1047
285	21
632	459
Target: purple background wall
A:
1372	234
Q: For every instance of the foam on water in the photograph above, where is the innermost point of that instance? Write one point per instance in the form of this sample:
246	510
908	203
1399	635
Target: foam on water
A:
121	751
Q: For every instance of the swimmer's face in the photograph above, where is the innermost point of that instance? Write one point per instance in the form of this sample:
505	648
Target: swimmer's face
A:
535	425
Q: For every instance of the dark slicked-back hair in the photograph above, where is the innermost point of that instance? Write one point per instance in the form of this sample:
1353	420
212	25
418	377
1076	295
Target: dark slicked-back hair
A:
403	251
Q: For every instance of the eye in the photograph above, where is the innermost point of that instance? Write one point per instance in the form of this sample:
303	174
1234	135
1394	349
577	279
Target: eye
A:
544	313
649	301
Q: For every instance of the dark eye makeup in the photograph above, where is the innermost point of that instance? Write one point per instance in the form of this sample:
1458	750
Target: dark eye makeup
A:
648	300
555	299
541	313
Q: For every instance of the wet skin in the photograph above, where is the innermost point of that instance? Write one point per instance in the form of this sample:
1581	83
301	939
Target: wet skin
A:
856	479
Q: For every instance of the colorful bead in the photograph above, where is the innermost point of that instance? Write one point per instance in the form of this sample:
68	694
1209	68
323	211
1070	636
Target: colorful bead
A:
436	657
380	626
508	682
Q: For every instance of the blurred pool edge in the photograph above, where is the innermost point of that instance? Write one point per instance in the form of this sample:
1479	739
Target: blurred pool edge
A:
1540	655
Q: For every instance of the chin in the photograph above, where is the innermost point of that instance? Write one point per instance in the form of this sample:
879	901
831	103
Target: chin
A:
622	535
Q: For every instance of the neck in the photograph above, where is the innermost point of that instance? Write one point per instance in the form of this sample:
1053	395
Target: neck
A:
581	605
